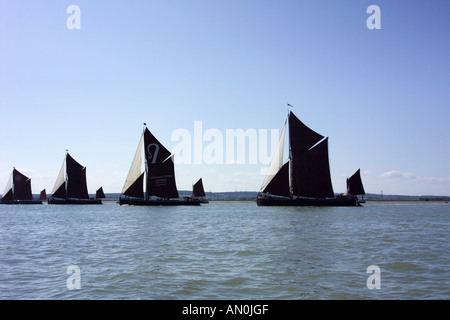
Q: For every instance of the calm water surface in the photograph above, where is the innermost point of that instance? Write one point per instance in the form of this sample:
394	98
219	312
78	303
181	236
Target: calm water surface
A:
225	251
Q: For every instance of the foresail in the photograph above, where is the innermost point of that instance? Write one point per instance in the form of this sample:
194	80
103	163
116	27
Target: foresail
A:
277	160
61	179
7	194
279	185
135	170
136	189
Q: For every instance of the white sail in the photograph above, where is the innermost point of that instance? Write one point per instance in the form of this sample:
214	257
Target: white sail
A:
277	160
8	186
135	170
61	176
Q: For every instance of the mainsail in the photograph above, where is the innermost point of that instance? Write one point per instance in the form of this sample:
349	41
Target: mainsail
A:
161	180
159	171
279	185
76	179
311	173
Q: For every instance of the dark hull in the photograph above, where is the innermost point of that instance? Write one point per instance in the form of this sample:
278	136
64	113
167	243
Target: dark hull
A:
74	201
142	202
304	202
21	202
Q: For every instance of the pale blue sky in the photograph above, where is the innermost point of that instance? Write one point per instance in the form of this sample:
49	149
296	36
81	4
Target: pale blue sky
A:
381	96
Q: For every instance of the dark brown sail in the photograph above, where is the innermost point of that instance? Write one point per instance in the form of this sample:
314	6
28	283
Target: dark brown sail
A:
43	195
311	173
155	152
161	180
100	194
197	190
354	184
22	186
301	138
76	179
279	185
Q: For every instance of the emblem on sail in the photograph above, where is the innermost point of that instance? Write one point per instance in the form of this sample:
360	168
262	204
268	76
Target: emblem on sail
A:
152	156
18	190
158	175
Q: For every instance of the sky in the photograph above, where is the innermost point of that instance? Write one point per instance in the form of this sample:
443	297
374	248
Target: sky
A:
85	81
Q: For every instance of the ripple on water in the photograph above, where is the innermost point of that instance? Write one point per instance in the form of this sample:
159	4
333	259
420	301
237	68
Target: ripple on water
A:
225	251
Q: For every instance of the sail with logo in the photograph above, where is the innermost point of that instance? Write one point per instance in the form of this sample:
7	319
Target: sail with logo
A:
155	184
305	179
18	190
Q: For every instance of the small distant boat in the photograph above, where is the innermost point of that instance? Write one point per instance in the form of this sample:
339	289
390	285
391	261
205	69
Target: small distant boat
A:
43	195
198	192
355	187
71	185
100	194
304	180
159	173
18	190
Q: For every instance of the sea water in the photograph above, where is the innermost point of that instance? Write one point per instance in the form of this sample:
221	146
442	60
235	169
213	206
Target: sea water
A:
225	251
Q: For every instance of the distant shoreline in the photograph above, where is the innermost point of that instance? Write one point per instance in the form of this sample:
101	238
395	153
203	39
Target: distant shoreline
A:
406	200
367	200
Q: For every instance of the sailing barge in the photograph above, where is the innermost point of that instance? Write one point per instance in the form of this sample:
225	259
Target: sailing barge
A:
304	180
159	174
71	186
198	192
18	190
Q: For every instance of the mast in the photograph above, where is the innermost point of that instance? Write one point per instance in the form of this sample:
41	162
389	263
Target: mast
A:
291	173
147	196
